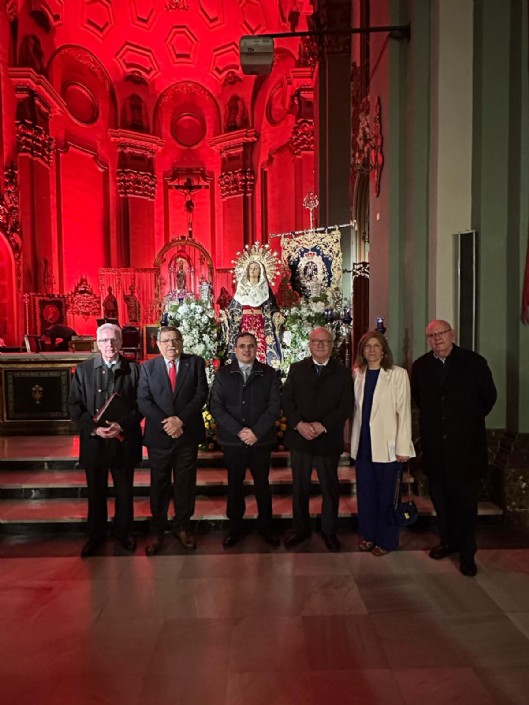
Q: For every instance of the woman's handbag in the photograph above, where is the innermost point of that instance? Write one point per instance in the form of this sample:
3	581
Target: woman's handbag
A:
405	512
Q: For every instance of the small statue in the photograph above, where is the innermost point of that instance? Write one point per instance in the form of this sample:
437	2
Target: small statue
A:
110	305
133	305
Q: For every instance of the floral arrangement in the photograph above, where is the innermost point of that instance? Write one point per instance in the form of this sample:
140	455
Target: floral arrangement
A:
195	319
210	444
300	319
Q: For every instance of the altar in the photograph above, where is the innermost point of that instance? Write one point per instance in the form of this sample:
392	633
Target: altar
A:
34	390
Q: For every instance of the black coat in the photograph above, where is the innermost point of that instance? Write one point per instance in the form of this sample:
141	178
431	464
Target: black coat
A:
327	398
87	396
452	414
157	401
254	405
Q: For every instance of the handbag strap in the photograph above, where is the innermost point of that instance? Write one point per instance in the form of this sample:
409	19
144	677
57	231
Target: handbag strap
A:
398	486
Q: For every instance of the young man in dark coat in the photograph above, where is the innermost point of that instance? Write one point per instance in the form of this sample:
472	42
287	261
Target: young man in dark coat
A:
245	402
454	391
317	399
116	446
172	391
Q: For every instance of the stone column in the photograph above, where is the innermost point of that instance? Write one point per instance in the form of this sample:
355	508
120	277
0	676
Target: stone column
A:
237	189
136	183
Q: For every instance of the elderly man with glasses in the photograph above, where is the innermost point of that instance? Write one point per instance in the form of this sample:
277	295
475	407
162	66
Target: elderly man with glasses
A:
454	391
172	391
317	399
115	446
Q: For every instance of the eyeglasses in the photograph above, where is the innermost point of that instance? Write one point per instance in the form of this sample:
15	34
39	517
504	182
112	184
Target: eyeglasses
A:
246	346
170	341
104	341
320	341
438	334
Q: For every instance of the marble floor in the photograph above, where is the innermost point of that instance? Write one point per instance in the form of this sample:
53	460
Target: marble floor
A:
254	626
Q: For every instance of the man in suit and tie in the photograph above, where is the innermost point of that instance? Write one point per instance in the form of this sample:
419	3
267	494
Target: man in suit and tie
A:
172	391
116	446
317	399
454	391
245	402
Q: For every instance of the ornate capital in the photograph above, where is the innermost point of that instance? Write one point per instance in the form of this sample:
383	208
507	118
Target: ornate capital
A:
136	183
237	183
231	143
33	140
12	11
367	142
302	138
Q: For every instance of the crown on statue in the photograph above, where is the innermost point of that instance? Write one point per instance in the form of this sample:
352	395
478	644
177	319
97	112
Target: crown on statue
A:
257	253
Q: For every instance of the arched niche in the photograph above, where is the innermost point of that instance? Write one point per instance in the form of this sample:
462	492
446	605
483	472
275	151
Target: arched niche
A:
183	257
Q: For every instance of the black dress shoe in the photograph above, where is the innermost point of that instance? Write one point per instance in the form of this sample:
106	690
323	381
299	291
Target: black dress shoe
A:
296	538
232	539
468	567
271	539
440	551
129	543
187	540
90	548
154	544
331	542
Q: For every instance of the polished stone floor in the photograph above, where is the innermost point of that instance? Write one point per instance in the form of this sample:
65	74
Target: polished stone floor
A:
254	626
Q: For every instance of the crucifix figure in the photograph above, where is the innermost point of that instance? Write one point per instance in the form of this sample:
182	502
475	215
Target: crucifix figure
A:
188	188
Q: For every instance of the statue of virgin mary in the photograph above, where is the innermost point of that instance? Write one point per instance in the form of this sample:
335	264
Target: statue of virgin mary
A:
253	308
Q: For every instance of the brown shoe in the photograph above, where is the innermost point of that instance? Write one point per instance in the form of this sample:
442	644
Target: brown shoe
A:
187	540
154	544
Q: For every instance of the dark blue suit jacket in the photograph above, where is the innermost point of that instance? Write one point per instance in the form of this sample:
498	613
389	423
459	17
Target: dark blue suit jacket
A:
157	401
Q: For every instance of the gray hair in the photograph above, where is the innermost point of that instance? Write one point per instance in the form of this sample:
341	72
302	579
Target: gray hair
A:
111	327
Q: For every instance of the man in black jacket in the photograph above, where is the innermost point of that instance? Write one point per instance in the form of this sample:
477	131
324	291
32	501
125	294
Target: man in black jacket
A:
172	391
317	399
454	391
116	446
245	402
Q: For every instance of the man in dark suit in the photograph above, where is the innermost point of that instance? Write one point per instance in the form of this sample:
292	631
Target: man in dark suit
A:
454	391
245	402
116	446
317	399
172	391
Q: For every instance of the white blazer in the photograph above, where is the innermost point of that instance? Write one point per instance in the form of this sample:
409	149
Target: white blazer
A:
390	422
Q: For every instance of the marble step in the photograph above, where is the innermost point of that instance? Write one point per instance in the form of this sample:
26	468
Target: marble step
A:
41	484
16	514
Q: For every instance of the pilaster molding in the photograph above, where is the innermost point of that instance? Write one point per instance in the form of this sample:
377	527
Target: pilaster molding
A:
136	183
302	138
34	141
136	142
237	183
9	217
234	142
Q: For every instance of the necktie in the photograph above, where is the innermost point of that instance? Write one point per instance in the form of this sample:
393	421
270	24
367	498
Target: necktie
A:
319	368
172	374
110	381
246	372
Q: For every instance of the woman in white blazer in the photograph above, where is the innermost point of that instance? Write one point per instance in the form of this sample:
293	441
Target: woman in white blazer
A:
380	441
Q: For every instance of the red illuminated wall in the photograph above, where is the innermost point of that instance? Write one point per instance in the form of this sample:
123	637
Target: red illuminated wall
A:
117	114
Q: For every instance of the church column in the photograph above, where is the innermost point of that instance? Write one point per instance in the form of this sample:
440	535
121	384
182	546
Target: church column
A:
136	182
302	141
35	157
237	190
335	120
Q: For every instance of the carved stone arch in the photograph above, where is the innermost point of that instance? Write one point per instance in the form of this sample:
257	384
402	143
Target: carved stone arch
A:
199	261
90	71
187	98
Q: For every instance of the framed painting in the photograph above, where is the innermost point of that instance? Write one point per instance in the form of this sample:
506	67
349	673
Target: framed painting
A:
150	347
49	310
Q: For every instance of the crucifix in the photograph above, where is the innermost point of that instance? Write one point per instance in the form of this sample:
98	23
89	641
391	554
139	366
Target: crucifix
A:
188	188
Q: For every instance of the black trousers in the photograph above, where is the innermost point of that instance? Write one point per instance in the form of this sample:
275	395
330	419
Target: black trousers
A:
327	469
180	465
97	486
457	513
257	459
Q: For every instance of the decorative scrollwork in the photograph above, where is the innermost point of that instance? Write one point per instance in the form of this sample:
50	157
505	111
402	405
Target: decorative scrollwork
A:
9	217
82	301
367	141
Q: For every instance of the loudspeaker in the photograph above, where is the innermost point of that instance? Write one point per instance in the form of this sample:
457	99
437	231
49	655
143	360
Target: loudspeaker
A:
467	288
256	54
